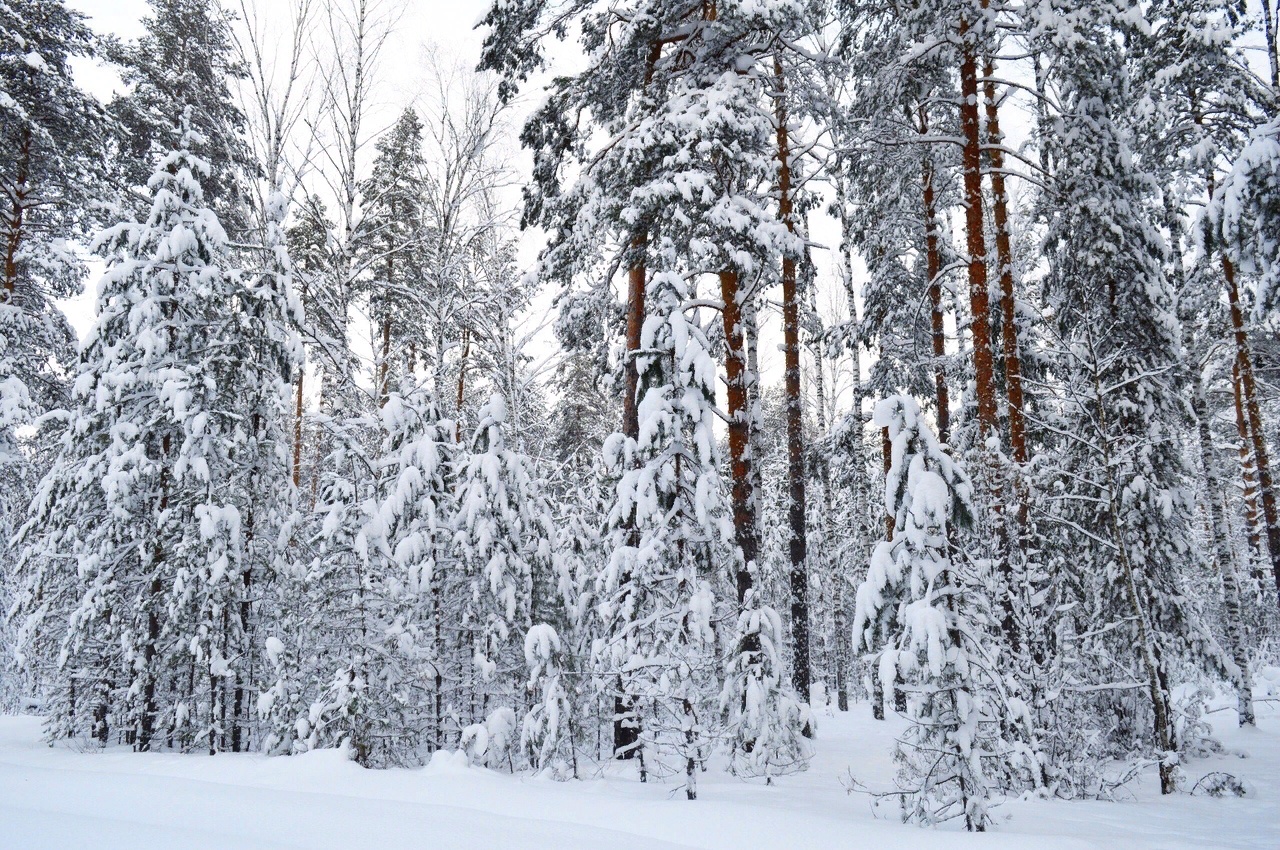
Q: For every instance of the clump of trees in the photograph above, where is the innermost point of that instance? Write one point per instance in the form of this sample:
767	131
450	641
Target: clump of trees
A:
317	478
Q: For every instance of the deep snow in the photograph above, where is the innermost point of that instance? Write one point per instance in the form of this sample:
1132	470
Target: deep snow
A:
58	798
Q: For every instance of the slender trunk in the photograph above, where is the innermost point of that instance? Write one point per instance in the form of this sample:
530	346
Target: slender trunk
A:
384	371
1231	601
737	378
886	451
1273	59
384	363
933	265
877	684
1004	257
795	422
833	630
979	297
21	192
462	382
690	762
844	651
751	338
297	429
635	324
297	403
1249	390
1147	649
146	725
1249	474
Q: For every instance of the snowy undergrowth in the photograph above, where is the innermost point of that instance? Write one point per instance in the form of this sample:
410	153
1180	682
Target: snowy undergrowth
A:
58	798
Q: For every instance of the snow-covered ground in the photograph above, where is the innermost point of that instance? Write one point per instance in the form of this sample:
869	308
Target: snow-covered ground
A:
57	798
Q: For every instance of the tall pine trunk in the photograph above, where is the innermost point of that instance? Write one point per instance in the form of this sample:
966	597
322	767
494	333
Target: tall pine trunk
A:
1004	257
1253	413
933	266
13	242
800	675
737	379
976	243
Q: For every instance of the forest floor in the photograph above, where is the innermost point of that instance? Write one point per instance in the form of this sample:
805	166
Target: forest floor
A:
59	798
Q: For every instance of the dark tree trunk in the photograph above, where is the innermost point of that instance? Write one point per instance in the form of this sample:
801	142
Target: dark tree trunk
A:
737	379
800	674
21	193
1004	257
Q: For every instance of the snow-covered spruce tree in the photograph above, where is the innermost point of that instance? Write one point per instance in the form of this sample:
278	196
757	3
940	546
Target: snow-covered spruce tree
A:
923	609
670	532
135	610
334	612
262	354
547	733
503	537
413	538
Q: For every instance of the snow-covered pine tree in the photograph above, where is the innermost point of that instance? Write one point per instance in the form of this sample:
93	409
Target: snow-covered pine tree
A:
51	168
51	171
389	241
924	610
184	58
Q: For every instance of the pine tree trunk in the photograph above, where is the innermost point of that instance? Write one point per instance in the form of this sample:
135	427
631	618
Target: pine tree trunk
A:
21	192
933	266
979	297
737	378
800	674
844	651
1249	391
1232	608
626	730
626	727
635	324
1004	256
